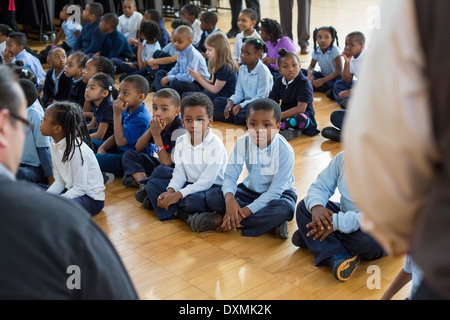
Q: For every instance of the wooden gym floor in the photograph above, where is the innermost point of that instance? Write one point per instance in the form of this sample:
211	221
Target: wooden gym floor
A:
166	260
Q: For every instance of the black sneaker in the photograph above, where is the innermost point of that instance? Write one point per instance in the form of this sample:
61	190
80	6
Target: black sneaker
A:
128	181
206	221
332	133
108	177
330	95
290	133
232	33
297	240
146	204
141	194
344	265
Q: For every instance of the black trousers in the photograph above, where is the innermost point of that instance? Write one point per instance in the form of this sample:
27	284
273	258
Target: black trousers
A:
236	7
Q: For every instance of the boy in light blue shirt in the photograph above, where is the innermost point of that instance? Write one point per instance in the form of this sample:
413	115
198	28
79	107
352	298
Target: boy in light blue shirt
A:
69	28
331	230
36	162
178	78
265	200
15	51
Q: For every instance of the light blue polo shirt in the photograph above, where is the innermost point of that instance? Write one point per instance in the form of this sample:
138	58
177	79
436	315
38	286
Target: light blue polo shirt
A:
69	31
34	139
326	60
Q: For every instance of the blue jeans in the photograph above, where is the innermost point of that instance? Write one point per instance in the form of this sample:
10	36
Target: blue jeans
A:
157	184
31	174
275	213
355	243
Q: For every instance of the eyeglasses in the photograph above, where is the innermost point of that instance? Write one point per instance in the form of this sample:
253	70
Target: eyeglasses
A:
28	126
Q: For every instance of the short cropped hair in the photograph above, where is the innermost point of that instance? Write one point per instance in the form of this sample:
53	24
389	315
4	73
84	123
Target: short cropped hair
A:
265	104
185	31
96	8
358	37
209	17
5	30
139	83
191	9
111	19
19	38
169	93
30	91
178	22
197	99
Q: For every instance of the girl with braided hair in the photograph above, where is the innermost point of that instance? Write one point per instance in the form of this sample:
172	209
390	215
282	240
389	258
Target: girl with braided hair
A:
328	56
75	168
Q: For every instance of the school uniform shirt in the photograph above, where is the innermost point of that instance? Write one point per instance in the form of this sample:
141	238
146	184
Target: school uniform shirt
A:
197	30
170	49
355	64
129	26
272	50
230	77
188	58
201	44
200	166
270	169
90	39
170	135
115	45
34	139
69	29
56	87
134	125
252	85
238	44
104	113
149	49
77	90
326	60
78	177
347	220
33	63
291	93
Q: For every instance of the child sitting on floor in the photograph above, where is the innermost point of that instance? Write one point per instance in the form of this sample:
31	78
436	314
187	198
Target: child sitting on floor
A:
76	171
57	85
265	200
296	95
131	120
331	230
178	78
254	82
200	158
164	129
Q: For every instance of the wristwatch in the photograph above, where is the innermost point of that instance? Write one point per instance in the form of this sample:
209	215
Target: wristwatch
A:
159	148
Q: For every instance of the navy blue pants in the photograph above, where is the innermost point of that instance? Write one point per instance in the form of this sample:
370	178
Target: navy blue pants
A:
339	86
31	174
111	161
275	213
89	204
337	118
157	184
319	75
134	161
219	107
179	86
355	243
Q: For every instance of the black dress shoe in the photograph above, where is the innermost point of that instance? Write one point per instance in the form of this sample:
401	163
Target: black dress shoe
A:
232	33
332	133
